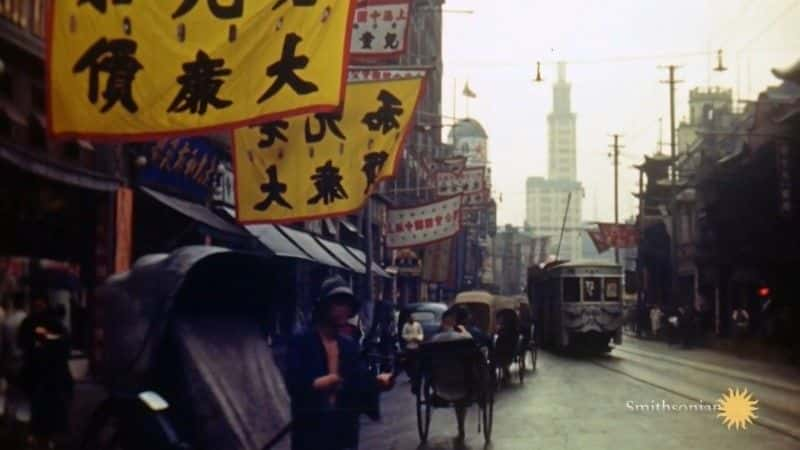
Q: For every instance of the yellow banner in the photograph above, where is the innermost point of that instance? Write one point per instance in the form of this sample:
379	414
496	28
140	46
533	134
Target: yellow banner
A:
323	164
147	68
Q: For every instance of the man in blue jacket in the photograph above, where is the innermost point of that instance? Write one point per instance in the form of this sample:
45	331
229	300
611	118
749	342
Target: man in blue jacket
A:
329	384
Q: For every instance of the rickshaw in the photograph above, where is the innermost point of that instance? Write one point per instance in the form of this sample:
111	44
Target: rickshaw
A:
454	374
186	359
481	306
527	329
508	347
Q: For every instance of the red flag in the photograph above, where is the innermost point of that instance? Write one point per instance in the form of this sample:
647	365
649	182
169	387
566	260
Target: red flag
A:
599	240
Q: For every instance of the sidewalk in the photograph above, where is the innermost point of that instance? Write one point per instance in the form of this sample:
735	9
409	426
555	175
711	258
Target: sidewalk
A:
720	356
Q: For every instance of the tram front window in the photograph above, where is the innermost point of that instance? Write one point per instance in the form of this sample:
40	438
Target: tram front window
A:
612	289
572	290
592	290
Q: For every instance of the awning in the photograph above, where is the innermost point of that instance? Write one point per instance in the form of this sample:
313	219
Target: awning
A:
338	251
359	255
197	212
37	165
309	245
277	242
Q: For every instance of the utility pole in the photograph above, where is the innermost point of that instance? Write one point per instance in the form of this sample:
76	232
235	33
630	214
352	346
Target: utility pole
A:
563	226
615	155
673	173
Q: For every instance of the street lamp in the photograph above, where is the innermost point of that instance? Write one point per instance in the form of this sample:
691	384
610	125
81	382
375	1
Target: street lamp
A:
720	66
538	78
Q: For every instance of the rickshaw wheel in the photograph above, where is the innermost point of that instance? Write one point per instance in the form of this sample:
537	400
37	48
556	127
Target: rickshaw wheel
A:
424	409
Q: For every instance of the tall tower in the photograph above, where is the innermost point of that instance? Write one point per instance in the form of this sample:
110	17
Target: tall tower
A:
550	201
561	127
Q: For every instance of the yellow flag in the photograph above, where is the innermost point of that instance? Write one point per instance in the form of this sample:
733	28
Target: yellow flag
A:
323	164
146	68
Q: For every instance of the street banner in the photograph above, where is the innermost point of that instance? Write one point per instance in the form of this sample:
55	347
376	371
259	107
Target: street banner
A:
599	240
182	166
325	164
467	181
125	69
380	30
436	262
476	200
424	224
456	164
381	73
619	235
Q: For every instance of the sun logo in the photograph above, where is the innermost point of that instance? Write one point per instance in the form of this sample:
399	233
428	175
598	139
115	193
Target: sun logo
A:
737	408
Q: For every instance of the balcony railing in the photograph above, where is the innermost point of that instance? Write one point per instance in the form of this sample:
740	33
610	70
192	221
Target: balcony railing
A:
25	14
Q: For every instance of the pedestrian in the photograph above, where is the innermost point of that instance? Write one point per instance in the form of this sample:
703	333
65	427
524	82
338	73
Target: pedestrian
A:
11	361
656	315
452	331
413	336
329	384
741	328
674	322
45	343
686	325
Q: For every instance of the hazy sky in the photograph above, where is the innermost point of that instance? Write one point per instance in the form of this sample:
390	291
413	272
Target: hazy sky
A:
612	48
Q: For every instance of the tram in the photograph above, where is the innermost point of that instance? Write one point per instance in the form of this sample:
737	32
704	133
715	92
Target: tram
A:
577	304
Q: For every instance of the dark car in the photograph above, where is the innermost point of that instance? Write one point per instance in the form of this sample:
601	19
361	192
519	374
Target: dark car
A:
429	315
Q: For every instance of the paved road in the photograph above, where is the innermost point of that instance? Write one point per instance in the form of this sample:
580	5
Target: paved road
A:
581	403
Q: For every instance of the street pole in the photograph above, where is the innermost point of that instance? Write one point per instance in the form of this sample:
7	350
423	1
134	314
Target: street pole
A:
673	174
370	307
563	226
639	261
616	148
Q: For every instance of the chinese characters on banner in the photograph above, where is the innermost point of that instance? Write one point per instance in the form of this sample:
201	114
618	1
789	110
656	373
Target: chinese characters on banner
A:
611	235
468	181
324	164
425	224
380	29
476	200
125	69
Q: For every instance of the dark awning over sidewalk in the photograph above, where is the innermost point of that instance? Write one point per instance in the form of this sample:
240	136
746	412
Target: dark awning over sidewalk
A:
310	245
277	242
376	269
338	251
197	212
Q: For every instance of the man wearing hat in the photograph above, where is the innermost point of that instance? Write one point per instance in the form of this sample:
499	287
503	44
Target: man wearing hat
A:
329	384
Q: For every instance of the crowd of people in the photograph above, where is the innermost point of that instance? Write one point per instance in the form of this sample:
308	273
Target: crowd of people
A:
35	378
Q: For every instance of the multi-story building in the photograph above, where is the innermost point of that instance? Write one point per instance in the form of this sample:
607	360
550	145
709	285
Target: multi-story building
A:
560	195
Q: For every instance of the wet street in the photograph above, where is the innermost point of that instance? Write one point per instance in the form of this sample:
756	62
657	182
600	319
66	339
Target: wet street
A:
590	403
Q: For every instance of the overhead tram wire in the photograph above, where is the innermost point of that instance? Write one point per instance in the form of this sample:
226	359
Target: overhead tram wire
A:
502	64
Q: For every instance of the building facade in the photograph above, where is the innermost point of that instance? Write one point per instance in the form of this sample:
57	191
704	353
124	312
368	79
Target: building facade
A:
549	200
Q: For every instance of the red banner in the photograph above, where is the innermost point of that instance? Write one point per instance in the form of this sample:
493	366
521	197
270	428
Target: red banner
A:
619	235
